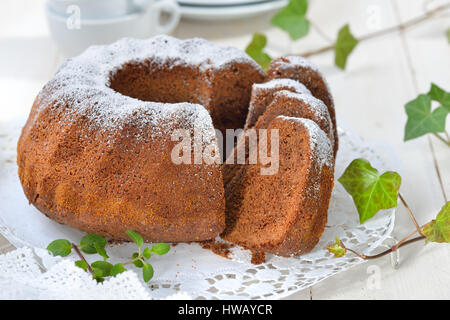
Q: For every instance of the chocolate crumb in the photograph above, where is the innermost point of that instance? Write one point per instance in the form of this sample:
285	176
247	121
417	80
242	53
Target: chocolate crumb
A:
220	248
258	257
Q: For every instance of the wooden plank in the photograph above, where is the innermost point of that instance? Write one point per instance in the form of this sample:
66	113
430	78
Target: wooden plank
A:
371	95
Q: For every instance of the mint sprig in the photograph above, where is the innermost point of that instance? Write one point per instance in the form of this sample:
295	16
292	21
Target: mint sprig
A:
95	244
292	19
60	247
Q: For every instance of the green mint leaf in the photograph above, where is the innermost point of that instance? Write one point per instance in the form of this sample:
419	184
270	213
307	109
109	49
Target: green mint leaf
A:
104	266
147	271
438	230
116	269
439	95
147	253
421	120
81	264
101	251
137	263
370	191
89	242
345	44
256	50
448	35
136	237
337	249
98	275
161	248
60	247
292	19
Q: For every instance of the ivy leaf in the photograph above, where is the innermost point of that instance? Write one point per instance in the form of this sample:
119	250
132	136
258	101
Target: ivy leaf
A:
337	249
81	264
439	95
89	242
147	271
438	230
136	237
147	253
255	50
421	120
104	266
60	247
161	248
370	191
116	269
292	19
448	35
345	44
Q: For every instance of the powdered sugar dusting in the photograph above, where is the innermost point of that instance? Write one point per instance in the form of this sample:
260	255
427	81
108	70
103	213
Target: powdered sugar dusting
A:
320	143
82	84
301	62
281	83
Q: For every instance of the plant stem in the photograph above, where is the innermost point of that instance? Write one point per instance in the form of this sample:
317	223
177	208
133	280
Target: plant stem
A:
419	230
442	139
400	27
82	258
392	249
399	245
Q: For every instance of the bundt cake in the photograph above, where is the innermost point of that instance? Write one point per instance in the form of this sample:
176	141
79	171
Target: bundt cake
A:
95	153
284	213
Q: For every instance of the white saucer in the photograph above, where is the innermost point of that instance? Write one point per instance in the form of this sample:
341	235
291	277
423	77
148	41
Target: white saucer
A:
214	13
212	3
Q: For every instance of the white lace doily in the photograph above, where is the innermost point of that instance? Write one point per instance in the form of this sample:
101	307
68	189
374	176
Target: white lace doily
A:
187	268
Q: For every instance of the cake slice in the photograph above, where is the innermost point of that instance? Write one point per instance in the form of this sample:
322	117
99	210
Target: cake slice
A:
299	105
304	71
284	213
263	94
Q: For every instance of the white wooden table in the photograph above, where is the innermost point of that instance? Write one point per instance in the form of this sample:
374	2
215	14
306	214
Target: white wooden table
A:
382	75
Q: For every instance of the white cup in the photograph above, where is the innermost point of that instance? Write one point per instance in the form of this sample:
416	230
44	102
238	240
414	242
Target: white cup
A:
92	9
73	32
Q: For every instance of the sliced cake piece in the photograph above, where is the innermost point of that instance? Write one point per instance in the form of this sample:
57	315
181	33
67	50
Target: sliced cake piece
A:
262	96
284	213
291	104
304	71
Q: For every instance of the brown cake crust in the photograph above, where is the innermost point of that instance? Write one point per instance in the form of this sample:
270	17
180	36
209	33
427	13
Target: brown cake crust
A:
302	70
95	153
292	216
